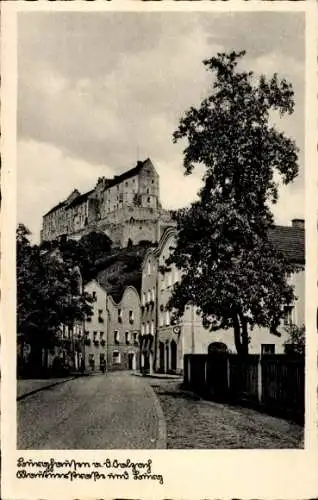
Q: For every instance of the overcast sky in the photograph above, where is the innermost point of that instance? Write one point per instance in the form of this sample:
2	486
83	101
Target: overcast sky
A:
97	91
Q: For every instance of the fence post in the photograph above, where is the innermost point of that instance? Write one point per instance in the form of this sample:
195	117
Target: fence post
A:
259	379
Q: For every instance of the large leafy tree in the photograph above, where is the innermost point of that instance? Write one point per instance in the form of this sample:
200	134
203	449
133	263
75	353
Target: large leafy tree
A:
48	294
230	269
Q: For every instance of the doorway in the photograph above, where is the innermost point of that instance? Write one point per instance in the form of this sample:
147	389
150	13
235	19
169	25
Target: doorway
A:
173	355
131	361
161	357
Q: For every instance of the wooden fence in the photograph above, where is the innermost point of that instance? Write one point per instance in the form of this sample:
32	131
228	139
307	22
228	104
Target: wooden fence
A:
273	382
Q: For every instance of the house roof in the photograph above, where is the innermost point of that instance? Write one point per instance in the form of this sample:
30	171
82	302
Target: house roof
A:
290	241
79	199
126	175
110	183
59	205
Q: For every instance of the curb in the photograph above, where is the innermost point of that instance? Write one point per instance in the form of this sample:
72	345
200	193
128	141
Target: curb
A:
161	441
158	377
26	394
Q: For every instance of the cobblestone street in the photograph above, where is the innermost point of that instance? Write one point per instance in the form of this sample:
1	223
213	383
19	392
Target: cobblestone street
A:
198	424
112	411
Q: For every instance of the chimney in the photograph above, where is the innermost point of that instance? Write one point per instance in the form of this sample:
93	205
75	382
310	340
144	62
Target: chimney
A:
300	223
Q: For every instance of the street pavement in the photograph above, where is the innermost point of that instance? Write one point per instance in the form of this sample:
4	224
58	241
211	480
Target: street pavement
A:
110	411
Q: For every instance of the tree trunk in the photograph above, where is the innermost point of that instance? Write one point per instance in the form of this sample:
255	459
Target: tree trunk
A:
240	335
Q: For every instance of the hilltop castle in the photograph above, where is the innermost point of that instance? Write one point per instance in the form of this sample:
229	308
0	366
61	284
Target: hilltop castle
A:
127	208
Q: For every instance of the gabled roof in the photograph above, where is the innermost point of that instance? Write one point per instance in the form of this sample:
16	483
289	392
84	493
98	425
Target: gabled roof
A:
290	241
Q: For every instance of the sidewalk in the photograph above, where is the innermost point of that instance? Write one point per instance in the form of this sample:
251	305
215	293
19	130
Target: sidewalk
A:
162	376
26	387
194	423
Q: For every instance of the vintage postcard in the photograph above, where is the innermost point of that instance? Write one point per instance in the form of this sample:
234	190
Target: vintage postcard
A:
159	250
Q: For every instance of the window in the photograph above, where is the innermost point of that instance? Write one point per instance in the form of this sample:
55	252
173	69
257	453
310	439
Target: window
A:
161	319
94	295
127	337
148	199
167	318
149	296
153	294
143	298
135	337
131	316
147	328
101	335
288	315
121	197
116	337
116	357
120	315
142	329
152	330
268	349
100	316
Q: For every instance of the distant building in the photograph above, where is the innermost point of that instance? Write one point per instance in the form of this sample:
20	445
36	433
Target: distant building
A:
94	350
127	208
164	345
149	299
124	331
112	333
